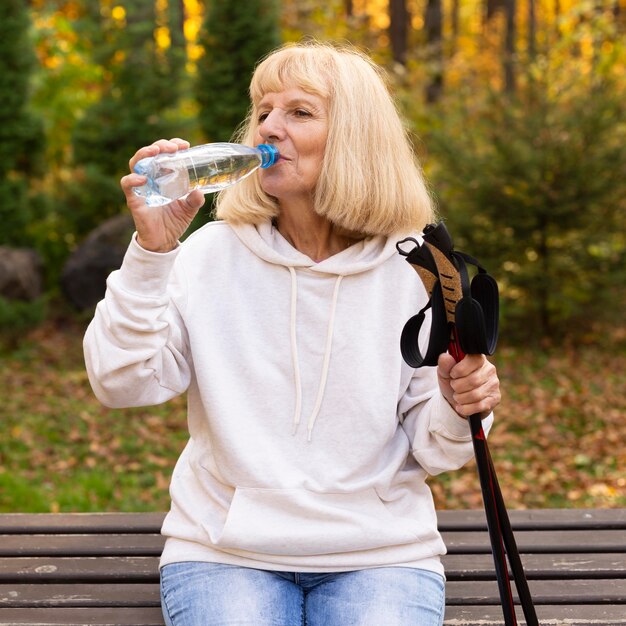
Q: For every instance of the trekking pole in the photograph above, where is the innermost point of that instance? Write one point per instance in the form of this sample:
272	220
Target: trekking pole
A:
465	321
515	561
486	477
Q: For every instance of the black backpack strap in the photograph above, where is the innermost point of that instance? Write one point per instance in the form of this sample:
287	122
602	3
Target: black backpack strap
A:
477	312
437	339
421	258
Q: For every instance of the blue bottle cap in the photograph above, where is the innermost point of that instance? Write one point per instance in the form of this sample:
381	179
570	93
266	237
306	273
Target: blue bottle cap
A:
269	154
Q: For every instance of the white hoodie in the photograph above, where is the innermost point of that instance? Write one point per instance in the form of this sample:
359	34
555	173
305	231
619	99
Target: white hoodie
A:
310	438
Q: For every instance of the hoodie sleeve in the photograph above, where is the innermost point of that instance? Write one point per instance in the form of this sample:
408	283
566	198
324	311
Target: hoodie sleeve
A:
136	348
440	440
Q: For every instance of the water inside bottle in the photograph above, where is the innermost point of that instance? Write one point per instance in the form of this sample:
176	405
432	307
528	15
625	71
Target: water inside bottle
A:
188	174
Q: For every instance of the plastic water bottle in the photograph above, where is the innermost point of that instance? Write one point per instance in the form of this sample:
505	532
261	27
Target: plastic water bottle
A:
209	167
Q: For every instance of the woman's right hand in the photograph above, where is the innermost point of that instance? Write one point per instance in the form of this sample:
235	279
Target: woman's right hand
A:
159	228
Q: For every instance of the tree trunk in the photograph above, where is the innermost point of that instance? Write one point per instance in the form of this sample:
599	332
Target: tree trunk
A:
454	19
620	16
509	47
181	21
398	29
532	30
433	25
492	7
543	292
176	23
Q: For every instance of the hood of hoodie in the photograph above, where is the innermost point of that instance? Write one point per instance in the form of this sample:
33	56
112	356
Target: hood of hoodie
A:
267	243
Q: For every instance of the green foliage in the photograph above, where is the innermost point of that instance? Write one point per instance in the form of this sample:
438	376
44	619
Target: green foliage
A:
235	36
21	137
17	316
70	80
138	107
139	104
533	185
15	213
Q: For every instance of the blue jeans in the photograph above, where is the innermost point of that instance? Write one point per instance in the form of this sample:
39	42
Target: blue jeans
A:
211	594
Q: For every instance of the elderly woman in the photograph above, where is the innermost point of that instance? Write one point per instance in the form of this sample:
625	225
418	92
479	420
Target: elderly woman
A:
300	497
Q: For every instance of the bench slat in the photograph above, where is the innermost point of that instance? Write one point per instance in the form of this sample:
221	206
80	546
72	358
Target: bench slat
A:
470	542
573	615
70	523
81	545
576	615
457	593
111	594
542	591
144	616
85	569
560	566
145	569
547	519
540	541
537	519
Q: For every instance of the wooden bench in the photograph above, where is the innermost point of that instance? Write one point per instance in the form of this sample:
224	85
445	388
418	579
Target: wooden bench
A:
78	569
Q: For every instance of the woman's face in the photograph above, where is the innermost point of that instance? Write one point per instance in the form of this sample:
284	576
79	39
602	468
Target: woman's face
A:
296	122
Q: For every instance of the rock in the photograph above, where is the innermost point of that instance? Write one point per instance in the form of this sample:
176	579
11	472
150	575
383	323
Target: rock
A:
20	274
84	275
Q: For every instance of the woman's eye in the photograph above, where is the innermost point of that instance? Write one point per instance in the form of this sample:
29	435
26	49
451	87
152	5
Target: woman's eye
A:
262	117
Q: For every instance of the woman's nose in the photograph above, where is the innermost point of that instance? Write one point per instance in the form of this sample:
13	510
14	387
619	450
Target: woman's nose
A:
272	128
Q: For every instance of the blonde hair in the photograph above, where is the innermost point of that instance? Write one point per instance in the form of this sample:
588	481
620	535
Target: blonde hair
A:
370	181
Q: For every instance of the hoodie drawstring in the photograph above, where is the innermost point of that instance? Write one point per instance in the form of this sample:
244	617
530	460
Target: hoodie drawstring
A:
294	356
294	350
327	351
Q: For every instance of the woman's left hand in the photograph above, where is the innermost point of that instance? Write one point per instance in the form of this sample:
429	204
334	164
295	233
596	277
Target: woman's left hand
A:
470	386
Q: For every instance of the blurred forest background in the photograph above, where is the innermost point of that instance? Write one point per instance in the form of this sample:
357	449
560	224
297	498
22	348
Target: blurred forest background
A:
517	110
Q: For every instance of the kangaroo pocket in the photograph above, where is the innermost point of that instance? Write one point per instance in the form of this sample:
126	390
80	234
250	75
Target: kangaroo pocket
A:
298	522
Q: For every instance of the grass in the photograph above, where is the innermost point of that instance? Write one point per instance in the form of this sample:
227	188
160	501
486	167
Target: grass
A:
559	438
60	450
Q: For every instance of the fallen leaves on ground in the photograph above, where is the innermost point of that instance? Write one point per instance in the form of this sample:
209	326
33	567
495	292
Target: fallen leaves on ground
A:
559	439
